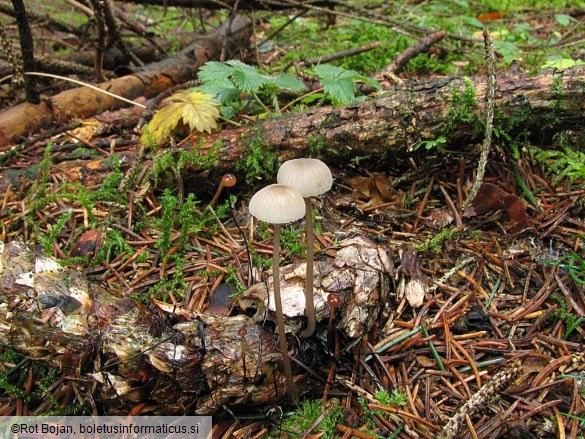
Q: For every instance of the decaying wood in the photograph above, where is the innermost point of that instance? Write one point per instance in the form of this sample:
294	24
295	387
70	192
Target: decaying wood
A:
183	361
397	120
389	124
83	102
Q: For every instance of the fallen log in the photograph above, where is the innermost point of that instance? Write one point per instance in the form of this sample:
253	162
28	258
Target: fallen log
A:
396	121
176	360
83	102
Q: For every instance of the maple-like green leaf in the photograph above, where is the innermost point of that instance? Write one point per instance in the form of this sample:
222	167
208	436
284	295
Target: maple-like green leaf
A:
247	78
194	109
284	80
213	70
222	89
339	83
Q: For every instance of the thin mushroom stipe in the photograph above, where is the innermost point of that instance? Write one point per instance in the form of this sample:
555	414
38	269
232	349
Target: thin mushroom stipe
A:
311	177
279	204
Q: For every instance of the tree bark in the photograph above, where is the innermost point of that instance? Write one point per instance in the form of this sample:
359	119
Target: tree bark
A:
27	50
82	102
181	361
396	120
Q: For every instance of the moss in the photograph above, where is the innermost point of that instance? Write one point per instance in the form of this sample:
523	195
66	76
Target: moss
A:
558	93
317	145
173	161
306	414
436	241
259	161
463	108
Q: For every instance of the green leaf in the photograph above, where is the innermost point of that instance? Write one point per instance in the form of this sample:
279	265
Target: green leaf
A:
561	63
213	71
228	112
472	21
222	89
289	82
309	99
369	81
508	50
342	90
564	20
337	82
329	71
247	78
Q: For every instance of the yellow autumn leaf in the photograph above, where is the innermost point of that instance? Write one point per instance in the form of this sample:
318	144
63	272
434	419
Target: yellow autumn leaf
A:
199	111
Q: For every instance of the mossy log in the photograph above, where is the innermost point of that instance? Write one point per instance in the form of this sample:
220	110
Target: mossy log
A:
396	120
82	102
176	360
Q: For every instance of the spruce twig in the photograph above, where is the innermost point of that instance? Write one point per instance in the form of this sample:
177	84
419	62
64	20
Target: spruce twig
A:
479	399
489	122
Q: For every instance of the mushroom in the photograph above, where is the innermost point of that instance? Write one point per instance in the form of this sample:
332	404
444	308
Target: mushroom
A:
279	204
228	180
311	177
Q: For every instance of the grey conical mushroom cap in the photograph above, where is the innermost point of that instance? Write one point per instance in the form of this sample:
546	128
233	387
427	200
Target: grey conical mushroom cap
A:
277	204
311	177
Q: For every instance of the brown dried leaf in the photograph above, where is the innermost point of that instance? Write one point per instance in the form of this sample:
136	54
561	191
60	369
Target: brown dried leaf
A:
491	197
86	244
376	190
440	218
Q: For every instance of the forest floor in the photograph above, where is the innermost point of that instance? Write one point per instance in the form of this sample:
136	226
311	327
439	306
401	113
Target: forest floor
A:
502	320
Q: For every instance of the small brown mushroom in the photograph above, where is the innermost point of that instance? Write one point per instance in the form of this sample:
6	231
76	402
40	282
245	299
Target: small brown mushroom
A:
228	180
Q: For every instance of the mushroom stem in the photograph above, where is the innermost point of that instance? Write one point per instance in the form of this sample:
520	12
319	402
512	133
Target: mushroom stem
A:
310	304
279	314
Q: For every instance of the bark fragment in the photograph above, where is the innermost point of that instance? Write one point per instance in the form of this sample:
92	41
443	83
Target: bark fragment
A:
183	361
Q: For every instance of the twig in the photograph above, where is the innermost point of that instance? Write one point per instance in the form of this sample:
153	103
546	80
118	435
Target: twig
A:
13	59
93	87
500	380
47	20
139	29
341	54
86	10
421	46
489	123
114	33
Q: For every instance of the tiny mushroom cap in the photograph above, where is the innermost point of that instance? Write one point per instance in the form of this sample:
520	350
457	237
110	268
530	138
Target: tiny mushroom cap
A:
311	177
277	204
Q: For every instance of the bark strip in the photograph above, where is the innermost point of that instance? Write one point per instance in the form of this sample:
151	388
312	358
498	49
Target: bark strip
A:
177	360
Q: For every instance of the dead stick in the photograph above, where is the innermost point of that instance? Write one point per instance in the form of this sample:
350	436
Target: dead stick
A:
422	46
342	54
